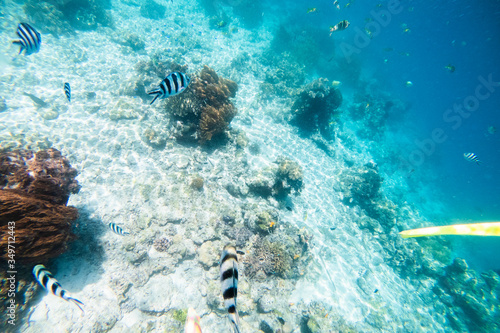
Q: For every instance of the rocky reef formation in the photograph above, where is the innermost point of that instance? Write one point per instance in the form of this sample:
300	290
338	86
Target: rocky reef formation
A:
63	16
315	108
472	301
361	187
204	110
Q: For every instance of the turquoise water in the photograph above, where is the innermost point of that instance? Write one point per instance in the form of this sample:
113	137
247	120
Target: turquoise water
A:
315	201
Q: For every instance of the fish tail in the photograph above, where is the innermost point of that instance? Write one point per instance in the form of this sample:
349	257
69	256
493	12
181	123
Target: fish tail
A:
76	302
157	93
235	320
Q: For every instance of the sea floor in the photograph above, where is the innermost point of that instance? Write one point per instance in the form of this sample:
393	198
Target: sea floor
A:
127	285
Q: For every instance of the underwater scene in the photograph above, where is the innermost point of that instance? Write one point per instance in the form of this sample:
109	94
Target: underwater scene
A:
249	166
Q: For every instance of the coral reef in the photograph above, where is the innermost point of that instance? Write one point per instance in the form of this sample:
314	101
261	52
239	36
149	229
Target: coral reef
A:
473	305
280	254
45	175
152	10
24	286
277	181
60	17
361	187
34	191
196	183
42	228
162	244
204	107
314	108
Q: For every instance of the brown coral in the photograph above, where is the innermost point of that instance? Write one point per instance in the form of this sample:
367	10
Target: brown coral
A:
205	106
34	190
42	229
46	174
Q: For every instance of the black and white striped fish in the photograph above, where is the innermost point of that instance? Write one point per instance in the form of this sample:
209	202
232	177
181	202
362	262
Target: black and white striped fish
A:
471	157
46	280
67	91
117	229
173	84
30	39
229	283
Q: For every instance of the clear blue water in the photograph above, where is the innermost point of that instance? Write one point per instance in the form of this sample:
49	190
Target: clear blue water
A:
406	58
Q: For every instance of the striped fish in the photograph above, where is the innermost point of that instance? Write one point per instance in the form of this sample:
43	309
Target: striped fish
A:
46	280
173	84
30	40
229	283
471	157
117	229
67	91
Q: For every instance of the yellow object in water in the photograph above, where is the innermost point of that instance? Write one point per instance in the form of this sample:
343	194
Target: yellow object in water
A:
473	229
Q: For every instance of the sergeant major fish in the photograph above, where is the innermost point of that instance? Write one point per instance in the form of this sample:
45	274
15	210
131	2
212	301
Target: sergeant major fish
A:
67	91
342	25
117	229
173	84
471	157
30	40
46	280
229	283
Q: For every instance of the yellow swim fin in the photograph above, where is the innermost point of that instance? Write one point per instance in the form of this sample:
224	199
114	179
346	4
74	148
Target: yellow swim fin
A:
473	229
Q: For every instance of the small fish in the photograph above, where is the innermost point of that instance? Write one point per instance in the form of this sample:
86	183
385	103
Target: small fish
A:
342	25
471	157
229	283
117	229
473	229
409	84
46	280
173	84
492	129
192	322
336	83
30	40
67	91
376	291
311	10
450	68
336	4
37	100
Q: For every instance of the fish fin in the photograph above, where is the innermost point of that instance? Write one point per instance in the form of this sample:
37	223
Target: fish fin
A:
21	47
